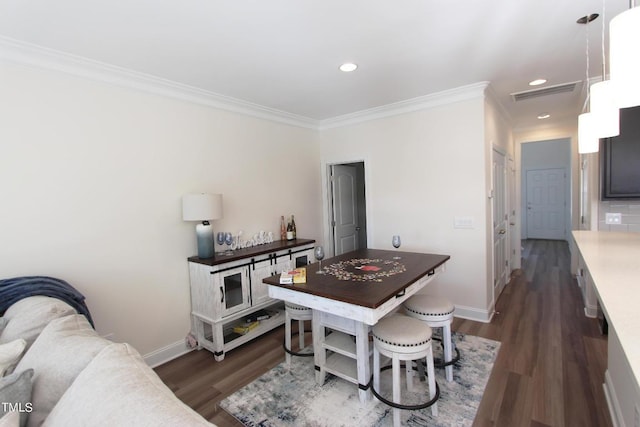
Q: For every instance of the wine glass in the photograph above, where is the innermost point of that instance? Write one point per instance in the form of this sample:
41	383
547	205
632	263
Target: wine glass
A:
220	238
319	254
395	241
228	239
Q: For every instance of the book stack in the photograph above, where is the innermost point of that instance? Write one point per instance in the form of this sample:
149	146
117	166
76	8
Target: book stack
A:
299	275
243	329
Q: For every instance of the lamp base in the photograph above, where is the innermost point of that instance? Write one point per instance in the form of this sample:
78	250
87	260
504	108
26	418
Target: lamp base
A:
204	233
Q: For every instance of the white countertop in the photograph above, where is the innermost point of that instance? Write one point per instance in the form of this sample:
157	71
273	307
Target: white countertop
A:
613	261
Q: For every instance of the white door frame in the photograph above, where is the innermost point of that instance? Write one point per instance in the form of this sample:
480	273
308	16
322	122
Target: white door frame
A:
327	211
503	220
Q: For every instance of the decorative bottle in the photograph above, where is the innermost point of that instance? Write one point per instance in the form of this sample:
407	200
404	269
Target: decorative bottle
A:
289	232
293	227
283	229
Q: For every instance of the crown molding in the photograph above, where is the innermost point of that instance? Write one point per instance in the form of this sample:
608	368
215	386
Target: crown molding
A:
451	96
492	97
28	54
22	53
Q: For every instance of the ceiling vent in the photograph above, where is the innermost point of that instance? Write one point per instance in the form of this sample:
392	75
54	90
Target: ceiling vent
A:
549	90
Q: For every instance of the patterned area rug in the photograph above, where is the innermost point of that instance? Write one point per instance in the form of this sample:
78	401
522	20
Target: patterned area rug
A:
290	396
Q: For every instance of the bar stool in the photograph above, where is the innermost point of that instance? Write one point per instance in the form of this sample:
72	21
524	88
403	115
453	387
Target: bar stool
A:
437	312
403	338
300	313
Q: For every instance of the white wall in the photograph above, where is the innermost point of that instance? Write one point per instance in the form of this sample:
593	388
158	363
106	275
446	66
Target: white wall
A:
92	177
423	169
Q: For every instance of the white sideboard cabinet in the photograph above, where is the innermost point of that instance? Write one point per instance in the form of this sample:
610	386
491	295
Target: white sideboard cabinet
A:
226	290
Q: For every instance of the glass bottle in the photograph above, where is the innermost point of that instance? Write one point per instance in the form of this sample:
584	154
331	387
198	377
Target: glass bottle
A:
293	227
289	232
283	229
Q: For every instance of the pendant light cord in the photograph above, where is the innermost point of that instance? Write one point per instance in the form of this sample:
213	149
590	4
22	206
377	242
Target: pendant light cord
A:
586	101
604	61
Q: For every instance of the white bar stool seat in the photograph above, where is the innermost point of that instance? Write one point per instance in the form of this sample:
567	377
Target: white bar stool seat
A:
404	338
300	313
437	312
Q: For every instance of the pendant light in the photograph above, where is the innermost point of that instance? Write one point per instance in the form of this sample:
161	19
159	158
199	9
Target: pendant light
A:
624	33
587	141
602	101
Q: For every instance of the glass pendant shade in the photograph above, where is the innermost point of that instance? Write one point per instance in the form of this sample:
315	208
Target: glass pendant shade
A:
588	142
605	114
624	33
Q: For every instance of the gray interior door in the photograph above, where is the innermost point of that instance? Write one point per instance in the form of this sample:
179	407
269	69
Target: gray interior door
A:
546	204
345	208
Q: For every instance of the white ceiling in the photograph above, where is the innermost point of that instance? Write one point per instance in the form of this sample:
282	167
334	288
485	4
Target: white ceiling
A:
284	54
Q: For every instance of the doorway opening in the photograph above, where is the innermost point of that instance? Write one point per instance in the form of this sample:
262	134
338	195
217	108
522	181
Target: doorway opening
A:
347	205
546	189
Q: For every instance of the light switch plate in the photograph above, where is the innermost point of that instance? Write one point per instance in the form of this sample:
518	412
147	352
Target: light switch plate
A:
613	218
463	222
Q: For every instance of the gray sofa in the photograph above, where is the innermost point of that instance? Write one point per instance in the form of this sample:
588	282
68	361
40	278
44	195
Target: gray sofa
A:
68	375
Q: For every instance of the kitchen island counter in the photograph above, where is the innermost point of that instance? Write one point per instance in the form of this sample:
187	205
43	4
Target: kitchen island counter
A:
613	263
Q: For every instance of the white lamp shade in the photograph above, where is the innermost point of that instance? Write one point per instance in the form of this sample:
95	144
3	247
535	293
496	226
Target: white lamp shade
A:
201	207
588	142
605	113
624	34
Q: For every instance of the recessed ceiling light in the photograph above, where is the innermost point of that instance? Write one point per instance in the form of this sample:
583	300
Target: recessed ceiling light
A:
543	116
537	82
348	67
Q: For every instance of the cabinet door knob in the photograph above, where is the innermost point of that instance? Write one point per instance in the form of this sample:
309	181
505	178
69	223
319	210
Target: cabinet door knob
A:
222	292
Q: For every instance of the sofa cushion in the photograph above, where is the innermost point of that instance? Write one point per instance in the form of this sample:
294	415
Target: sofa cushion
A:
15	394
10	354
63	349
29	316
10	419
136	395
3	323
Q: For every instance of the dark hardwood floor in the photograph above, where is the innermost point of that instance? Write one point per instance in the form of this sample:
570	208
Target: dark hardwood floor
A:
549	371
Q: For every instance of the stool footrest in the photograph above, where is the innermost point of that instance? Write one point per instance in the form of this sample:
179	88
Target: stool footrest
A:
400	405
293	353
438	363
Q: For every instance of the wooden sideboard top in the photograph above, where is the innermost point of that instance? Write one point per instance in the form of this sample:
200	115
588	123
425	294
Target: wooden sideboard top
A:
238	254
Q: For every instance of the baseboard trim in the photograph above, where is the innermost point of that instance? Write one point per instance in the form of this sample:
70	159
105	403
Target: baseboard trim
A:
472	313
166	354
612	401
179	348
591	311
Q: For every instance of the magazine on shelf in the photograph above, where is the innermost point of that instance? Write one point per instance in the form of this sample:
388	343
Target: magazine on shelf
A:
299	275
258	315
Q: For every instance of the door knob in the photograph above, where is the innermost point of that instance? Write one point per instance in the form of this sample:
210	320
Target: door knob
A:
502	231
357	228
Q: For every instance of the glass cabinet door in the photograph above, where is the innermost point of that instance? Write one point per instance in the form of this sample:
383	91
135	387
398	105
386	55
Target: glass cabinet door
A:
302	259
234	290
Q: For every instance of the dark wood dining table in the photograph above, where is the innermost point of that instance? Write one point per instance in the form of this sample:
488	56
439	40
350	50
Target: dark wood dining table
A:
354	291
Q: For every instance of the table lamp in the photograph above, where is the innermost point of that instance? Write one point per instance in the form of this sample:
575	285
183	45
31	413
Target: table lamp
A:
203	207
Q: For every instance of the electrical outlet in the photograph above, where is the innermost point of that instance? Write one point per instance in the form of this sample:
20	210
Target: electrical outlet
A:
613	218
